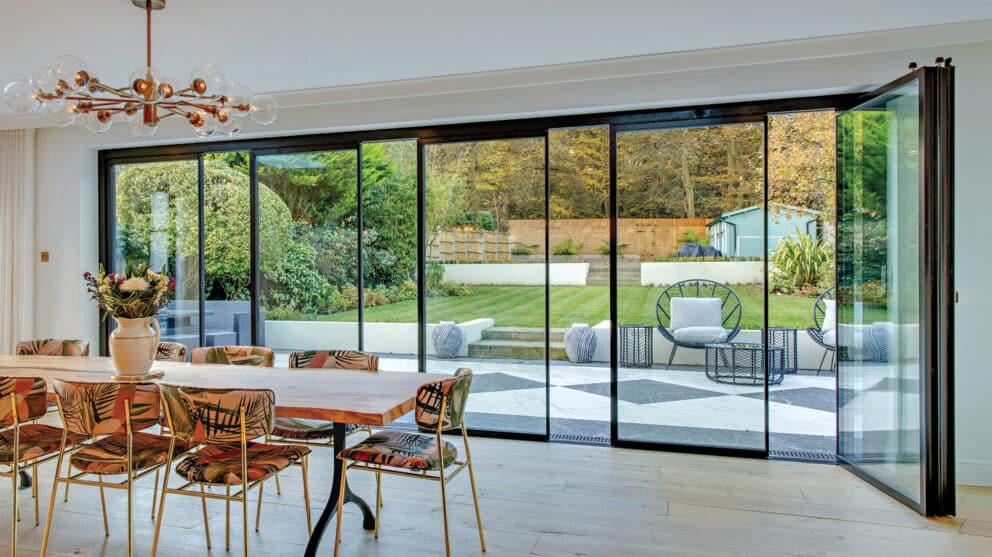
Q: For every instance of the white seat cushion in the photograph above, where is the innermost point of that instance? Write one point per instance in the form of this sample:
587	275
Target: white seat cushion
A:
696	312
700	335
830	338
829	317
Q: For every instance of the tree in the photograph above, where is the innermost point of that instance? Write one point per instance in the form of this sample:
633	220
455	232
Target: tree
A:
801	160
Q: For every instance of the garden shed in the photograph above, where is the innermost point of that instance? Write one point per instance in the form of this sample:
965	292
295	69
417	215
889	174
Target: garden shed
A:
739	233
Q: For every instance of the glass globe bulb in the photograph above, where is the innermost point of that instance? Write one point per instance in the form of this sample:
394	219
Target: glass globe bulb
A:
145	81
72	71
43	80
239	99
233	126
21	96
214	81
143	130
61	113
93	123
264	109
207	128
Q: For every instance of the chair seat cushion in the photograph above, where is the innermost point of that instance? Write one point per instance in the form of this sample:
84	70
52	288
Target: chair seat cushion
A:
109	454
700	335
36	441
308	430
401	449
830	338
221	464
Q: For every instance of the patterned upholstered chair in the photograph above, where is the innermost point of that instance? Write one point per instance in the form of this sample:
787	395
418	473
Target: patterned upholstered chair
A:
26	445
440	407
53	347
224	423
171	352
319	433
824	331
234	355
112	416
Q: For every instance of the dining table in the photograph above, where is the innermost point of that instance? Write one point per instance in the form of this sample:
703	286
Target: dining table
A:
339	396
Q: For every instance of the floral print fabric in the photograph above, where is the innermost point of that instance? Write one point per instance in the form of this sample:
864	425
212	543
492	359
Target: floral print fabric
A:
214	415
221	464
30	398
53	347
98	408
37	440
108	455
334	359
171	352
430	396
234	355
401	449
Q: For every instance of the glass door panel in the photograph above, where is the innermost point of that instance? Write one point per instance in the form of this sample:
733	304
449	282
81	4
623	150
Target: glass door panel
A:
485	310
308	251
157	220
887	311
690	219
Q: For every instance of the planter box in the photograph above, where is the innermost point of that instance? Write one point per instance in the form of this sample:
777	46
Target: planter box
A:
516	274
726	272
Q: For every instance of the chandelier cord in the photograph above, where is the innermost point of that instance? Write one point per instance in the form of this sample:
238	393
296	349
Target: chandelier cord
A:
148	31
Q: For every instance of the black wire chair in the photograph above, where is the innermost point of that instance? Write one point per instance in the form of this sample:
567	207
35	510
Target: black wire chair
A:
815	333
698	288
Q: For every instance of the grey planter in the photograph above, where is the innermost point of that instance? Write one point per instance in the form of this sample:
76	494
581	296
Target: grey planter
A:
580	343
447	339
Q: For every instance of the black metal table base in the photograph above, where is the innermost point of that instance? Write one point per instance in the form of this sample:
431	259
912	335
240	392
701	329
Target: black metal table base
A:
368	521
25	480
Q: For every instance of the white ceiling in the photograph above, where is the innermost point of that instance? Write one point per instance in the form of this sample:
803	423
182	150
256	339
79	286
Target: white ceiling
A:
307	44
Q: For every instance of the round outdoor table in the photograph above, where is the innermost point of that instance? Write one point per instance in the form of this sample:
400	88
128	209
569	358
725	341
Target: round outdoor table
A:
742	363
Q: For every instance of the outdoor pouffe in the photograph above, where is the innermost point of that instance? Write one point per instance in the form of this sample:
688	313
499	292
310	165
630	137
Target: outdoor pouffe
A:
447	339
580	343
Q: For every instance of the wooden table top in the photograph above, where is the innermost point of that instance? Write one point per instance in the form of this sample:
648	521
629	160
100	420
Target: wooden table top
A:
356	397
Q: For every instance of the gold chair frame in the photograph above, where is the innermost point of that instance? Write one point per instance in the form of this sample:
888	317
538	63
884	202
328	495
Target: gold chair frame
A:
16	468
227	497
127	484
441	478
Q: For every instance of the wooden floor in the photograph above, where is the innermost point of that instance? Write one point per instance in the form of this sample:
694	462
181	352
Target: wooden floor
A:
551	500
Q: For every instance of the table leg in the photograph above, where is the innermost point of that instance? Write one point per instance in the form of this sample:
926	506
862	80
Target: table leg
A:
332	501
25	480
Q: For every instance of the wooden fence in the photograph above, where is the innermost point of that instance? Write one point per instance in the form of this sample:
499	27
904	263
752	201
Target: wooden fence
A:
452	244
643	237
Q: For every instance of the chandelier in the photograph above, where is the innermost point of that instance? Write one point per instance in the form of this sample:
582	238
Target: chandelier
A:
69	92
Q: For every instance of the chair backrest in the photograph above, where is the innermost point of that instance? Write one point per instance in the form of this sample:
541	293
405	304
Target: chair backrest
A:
213	416
98	408
53	347
820	307
334	359
452	393
30	398
234	355
171	352
730	303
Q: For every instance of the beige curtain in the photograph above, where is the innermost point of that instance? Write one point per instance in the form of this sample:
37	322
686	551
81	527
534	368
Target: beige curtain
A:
16	237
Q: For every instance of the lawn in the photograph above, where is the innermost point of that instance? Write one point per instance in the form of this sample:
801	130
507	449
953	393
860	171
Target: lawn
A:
523	306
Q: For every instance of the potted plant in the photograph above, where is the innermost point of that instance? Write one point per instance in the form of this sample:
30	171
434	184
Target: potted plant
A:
132	298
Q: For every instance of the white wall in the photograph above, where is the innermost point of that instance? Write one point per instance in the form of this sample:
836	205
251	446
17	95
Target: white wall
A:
66	173
519	274
728	272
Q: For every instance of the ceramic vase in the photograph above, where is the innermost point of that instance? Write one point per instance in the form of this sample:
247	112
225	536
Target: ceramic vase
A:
133	345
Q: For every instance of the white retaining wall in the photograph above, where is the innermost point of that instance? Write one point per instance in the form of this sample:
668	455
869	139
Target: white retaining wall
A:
385	338
516	274
727	272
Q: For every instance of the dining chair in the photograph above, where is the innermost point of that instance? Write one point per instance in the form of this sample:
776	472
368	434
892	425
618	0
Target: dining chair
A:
440	406
223	424
171	352
112	417
234	355
24	444
53	347
319	433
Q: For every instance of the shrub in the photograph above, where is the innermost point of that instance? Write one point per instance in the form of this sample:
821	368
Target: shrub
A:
523	250
482	220
296	283
567	247
283	314
604	248
435	274
801	262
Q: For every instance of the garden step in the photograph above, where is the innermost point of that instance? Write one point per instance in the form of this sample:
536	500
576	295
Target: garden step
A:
530	334
522	349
